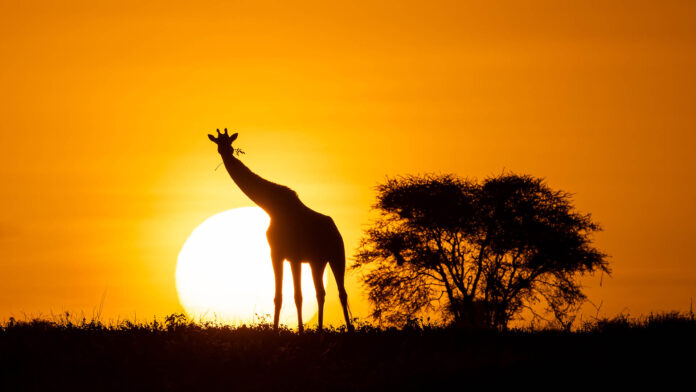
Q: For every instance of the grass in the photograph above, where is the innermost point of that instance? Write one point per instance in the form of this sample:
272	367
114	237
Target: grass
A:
177	354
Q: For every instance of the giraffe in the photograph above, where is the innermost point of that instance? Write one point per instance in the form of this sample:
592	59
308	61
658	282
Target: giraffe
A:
296	233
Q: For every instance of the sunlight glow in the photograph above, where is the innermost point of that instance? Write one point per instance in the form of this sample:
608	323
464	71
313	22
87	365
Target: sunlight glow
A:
224	272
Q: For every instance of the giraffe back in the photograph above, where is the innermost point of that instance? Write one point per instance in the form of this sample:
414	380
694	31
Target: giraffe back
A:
304	235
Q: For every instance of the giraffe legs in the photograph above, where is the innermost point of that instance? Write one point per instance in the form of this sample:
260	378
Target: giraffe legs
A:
338	268
296	269
278	300
317	276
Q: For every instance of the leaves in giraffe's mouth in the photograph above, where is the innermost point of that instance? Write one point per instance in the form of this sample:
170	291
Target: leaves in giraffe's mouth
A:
236	151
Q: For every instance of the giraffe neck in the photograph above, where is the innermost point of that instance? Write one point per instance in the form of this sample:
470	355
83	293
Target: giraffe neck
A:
271	197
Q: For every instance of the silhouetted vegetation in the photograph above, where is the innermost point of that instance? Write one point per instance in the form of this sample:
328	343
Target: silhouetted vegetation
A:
476	253
177	354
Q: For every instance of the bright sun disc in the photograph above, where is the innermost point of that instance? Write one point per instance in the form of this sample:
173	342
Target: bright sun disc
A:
224	272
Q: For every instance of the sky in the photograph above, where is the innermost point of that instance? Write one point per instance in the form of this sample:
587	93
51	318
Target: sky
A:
106	168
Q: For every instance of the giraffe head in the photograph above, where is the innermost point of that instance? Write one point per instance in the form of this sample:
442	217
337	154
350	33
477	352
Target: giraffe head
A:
223	140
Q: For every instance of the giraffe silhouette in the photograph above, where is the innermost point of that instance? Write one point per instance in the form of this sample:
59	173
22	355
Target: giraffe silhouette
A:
296	233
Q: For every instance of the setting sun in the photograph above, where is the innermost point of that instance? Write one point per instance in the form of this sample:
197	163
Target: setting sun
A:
224	272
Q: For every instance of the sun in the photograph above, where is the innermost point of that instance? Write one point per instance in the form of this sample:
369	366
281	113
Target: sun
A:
224	272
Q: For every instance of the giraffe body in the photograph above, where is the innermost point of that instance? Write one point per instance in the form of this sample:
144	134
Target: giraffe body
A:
304	236
296	233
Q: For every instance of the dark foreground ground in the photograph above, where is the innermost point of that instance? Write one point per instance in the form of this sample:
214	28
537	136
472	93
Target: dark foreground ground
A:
42	355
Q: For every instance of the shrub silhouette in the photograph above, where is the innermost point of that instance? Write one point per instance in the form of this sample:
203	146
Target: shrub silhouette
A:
39	355
477	253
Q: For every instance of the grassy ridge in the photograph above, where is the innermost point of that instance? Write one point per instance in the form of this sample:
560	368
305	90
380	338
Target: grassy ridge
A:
181	355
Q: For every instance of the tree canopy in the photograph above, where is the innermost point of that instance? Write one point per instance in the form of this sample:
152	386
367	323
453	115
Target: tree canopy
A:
476	253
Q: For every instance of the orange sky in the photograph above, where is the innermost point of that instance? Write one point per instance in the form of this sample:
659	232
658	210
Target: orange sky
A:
104	109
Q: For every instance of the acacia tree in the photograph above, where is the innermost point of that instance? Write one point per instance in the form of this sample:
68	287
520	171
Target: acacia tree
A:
477	253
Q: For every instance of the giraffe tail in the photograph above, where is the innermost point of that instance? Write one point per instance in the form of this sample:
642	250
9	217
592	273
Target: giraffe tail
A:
338	266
